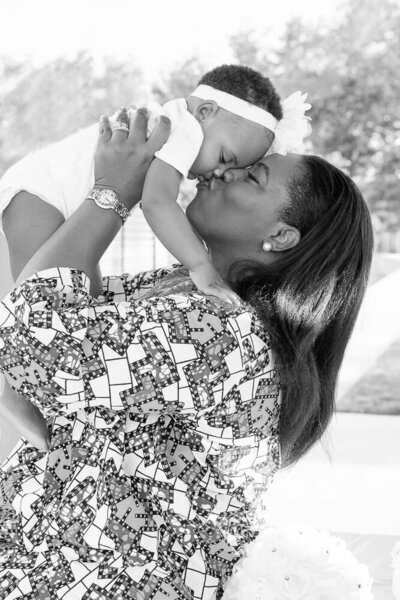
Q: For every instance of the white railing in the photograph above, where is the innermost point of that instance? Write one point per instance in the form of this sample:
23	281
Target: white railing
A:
388	241
135	249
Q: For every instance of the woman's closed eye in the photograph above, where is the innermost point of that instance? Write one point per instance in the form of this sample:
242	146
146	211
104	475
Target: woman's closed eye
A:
252	177
227	159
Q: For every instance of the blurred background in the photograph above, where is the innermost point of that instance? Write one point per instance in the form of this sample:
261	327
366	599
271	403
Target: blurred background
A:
62	64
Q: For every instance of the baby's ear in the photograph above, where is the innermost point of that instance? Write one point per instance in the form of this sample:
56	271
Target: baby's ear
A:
206	109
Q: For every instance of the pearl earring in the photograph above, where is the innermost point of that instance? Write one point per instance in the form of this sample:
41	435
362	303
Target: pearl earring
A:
267	247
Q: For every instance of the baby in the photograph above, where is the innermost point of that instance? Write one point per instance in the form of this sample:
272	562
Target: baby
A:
228	121
209	132
213	129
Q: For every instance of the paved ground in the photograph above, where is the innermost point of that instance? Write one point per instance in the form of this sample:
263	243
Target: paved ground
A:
377	327
355	493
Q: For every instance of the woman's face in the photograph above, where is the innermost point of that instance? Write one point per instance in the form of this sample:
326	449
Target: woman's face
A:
244	207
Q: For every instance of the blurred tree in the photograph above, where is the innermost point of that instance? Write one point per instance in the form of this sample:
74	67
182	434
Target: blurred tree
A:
351	71
45	104
180	81
349	67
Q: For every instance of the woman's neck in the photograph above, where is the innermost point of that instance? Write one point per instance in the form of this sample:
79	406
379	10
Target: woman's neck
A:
221	263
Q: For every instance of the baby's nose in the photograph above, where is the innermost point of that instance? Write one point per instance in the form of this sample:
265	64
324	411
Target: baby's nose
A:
218	173
209	175
233	175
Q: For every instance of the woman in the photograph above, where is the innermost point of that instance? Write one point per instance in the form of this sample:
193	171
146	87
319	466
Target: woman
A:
169	411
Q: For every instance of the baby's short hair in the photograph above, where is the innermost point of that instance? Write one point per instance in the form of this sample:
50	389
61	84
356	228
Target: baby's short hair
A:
247	84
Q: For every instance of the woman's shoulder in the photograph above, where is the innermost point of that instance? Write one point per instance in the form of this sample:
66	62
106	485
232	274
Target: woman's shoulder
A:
127	286
172	286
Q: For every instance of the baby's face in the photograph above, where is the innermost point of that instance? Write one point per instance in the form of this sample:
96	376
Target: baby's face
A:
229	141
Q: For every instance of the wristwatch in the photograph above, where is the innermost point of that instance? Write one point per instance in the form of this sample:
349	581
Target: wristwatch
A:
106	198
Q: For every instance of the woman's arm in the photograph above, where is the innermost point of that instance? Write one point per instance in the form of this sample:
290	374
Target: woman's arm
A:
121	164
29	222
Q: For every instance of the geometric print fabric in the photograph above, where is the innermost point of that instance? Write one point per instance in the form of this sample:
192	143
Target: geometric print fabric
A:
163	407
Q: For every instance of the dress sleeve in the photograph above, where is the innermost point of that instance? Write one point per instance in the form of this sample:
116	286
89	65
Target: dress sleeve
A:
182	354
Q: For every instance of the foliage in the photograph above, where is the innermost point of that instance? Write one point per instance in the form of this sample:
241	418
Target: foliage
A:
349	67
350	70
180	81
45	104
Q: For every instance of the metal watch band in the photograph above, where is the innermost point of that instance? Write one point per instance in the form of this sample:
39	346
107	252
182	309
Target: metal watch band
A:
106	199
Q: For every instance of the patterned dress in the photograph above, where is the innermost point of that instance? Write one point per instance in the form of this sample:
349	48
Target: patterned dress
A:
163	409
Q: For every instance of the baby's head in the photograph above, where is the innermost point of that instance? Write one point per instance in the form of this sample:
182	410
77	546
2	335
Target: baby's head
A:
231	140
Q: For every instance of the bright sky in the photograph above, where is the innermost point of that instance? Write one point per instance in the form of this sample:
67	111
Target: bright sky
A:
157	33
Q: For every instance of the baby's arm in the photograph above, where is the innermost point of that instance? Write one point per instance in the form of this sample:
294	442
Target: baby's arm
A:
25	417
28	222
172	228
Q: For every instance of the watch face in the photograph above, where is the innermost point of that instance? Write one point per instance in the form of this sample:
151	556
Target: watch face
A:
105	198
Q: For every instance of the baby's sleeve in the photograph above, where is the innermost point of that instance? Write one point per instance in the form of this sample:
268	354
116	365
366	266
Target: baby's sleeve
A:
185	140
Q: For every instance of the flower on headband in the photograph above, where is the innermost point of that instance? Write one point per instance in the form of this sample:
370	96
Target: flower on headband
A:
293	127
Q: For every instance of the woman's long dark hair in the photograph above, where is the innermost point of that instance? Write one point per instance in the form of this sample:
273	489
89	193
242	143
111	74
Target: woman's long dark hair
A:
309	298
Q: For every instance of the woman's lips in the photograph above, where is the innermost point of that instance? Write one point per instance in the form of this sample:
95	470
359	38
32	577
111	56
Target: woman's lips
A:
203	184
209	183
214	181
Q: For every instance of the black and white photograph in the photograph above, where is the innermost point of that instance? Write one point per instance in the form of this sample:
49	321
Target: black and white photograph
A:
199	300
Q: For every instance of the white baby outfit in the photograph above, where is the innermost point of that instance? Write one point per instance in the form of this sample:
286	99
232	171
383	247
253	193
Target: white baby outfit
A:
62	173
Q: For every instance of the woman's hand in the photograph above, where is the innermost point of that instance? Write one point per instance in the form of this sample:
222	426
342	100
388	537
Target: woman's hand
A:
121	162
123	156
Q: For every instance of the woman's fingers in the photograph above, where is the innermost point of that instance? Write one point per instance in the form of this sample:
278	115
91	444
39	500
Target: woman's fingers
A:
105	131
121	126
138	130
160	134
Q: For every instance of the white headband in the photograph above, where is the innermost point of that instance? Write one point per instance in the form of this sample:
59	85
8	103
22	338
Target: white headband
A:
289	131
237	106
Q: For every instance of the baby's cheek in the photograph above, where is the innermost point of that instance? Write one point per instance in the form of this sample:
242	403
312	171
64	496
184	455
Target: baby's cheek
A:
206	161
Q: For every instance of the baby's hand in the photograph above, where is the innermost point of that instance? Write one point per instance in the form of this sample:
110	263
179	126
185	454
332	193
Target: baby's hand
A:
207	279
26	418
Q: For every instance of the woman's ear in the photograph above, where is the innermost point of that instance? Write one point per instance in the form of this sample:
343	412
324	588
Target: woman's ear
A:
206	109
286	237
